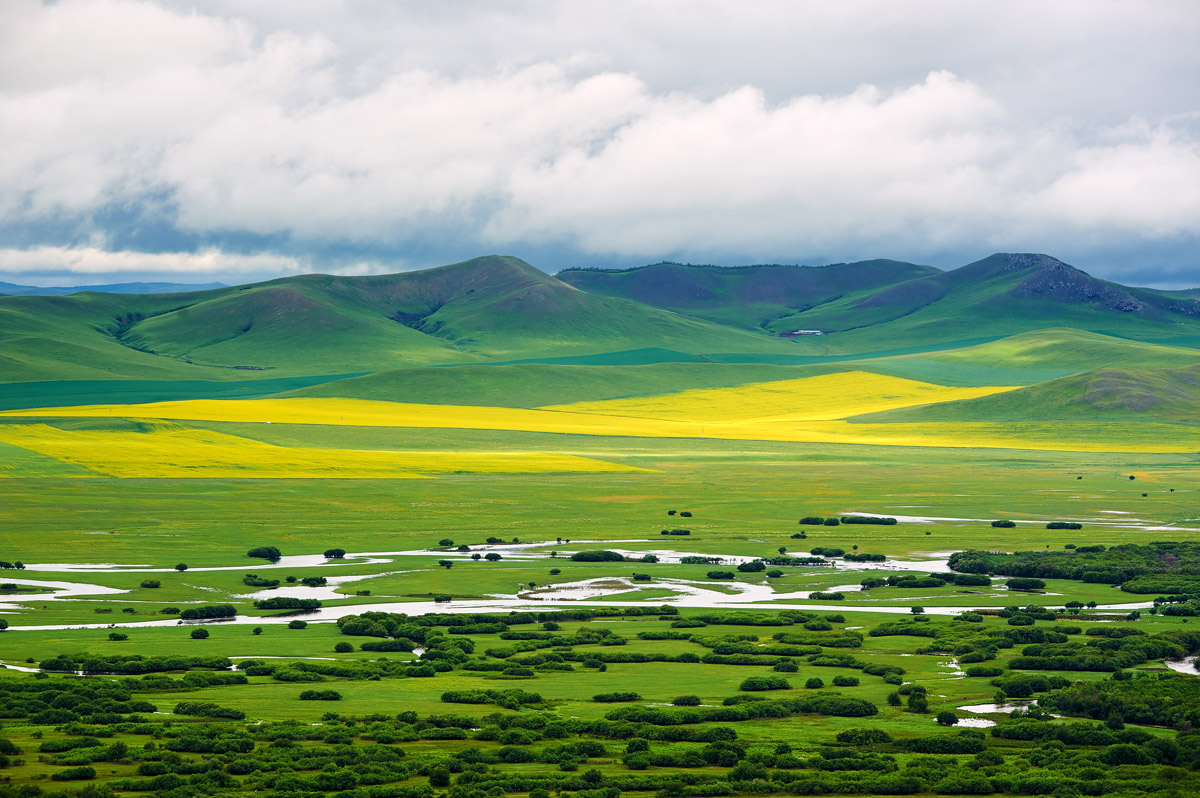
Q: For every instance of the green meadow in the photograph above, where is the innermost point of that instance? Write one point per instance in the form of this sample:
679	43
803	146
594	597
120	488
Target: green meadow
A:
682	627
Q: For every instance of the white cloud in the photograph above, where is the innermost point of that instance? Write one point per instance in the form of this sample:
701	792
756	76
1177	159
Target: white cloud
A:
628	129
91	260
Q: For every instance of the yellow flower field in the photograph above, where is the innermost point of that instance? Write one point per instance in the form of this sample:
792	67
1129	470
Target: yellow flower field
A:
824	398
169	451
804	411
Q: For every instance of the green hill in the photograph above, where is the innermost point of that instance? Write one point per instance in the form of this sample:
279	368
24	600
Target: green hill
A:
998	296
484	310
78	338
745	296
1031	357
1171	395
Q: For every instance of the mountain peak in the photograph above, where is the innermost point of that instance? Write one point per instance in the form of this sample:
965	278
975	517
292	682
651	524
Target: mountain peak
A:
1024	260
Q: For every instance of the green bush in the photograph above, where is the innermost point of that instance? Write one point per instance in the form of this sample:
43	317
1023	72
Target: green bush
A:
756	683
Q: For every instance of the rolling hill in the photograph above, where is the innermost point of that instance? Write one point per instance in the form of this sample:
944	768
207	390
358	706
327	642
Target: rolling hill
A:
746	296
1031	357
1125	394
13	289
484	310
1001	295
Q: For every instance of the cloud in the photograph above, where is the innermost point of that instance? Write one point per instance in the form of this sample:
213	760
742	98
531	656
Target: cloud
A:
627	130
92	260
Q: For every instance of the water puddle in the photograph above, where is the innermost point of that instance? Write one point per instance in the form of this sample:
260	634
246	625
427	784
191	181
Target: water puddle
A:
975	723
327	592
1186	666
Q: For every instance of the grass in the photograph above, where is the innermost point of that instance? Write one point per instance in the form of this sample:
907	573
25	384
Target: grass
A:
1119	394
536	384
746	449
61	393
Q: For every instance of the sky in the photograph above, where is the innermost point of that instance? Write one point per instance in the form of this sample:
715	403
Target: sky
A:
239	140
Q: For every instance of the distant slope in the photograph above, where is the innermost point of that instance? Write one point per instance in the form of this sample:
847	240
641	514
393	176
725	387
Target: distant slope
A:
1000	295
534	385
487	309
746	296
62	393
76	338
1153	395
1031	357
492	308
12	289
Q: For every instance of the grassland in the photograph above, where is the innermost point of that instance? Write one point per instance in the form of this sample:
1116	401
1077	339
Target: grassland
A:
102	502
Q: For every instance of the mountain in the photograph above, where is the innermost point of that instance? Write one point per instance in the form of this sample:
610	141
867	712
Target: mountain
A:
483	310
12	289
1171	395
744	296
1001	295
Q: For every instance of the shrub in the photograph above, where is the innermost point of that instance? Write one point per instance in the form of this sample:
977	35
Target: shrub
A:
845	681
815	683
117	636
812	520
1063	525
287	603
199	634
335	554
686	701
265	553
864	737
297	624
597	556
831	522
946	718
613	698
320	695
875	520
721	575
343	648
151	583
208	611
74	774
757	683
1003	524
1024	583
206	709
986	671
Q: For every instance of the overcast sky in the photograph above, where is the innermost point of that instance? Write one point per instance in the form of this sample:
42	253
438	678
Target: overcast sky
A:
250	139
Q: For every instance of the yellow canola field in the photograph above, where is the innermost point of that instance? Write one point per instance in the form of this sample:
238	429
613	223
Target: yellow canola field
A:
1057	436
178	452
824	398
